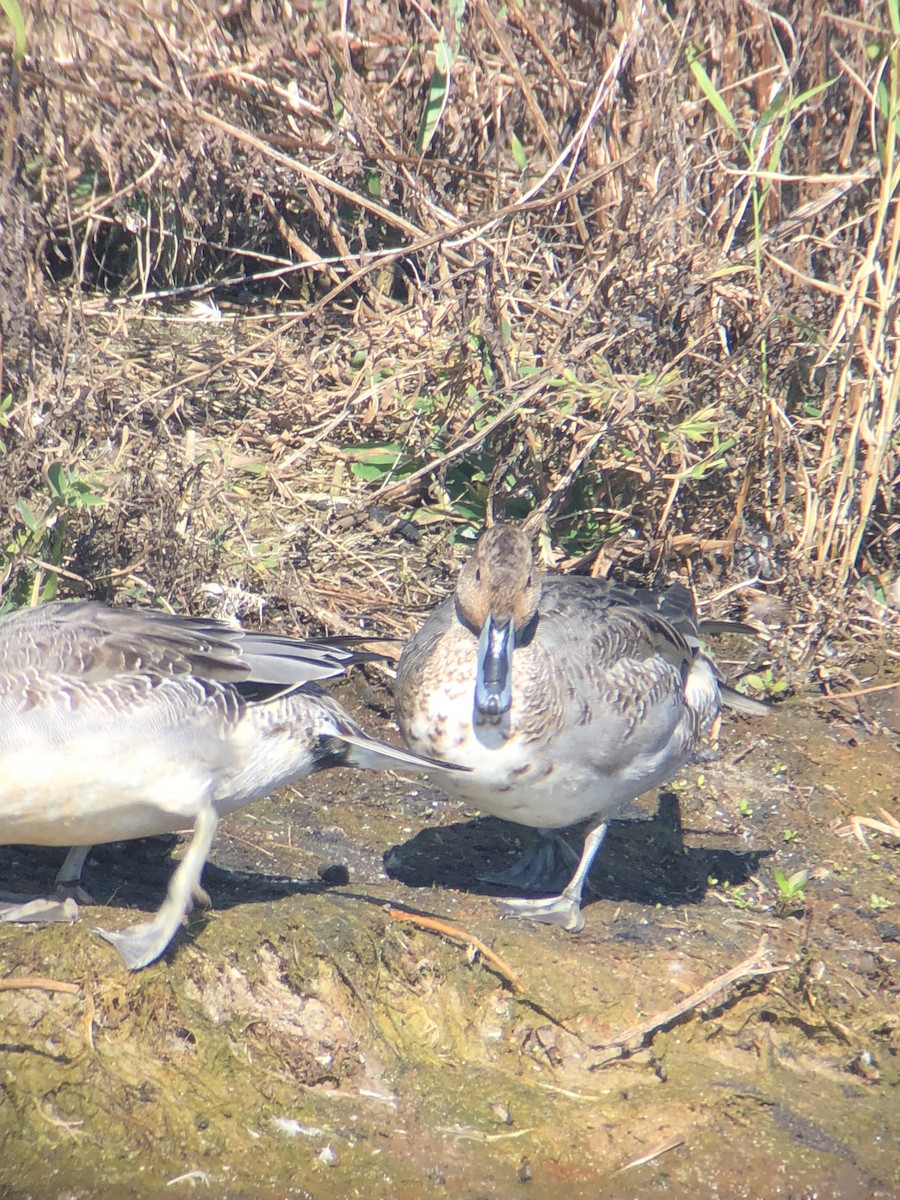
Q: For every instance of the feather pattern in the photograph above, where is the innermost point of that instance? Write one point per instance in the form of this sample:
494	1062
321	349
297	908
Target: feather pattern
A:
117	724
610	695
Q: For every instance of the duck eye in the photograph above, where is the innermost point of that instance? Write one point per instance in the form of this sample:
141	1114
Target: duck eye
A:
528	580
478	574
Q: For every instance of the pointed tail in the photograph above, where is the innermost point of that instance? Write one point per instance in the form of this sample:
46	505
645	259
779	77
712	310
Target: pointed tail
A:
364	751
741	703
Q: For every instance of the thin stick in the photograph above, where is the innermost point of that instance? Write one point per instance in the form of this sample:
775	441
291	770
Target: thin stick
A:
672	1144
454	931
875	687
756	964
37	981
890	826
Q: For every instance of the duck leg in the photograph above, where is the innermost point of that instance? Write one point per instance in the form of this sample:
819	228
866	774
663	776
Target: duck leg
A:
22	910
565	909
69	874
544	867
143	944
68	877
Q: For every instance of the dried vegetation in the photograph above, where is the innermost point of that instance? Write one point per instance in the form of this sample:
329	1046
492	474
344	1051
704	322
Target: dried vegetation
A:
293	290
295	296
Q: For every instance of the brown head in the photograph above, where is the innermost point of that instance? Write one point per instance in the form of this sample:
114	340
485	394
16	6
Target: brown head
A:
499	580
497	596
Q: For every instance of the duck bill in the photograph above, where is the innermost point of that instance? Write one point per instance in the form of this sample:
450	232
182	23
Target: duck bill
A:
493	672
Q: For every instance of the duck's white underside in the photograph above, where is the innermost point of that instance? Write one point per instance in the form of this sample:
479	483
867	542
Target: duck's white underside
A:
137	779
566	775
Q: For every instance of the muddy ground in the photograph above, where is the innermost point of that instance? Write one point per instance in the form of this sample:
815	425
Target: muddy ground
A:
299	1040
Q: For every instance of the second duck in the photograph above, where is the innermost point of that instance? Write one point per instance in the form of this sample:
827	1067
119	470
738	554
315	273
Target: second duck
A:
566	697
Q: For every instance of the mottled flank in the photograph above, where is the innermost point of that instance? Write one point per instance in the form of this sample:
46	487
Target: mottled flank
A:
567	697
118	724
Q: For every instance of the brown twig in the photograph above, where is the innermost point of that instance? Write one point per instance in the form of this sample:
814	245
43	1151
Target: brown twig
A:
755	965
671	1144
832	696
444	927
890	827
13	982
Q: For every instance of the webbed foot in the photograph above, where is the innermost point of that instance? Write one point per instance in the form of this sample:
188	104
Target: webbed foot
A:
546	866
563	910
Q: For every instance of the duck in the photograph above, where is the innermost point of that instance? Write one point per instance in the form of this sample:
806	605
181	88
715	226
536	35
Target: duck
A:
565	696
120	723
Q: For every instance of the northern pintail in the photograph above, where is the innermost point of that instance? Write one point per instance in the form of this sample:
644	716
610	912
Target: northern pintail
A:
568	697
118	723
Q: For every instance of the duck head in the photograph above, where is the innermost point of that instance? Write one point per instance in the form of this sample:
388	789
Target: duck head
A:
497	597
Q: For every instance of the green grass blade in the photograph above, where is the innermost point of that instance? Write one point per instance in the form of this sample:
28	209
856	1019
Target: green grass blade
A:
438	93
709	90
17	21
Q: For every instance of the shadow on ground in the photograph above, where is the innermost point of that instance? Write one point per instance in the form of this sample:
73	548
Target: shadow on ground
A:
641	862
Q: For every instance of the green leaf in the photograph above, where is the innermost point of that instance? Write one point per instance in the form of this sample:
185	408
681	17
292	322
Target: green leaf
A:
17	21
374	460
362	471
458	13
57	480
520	158
709	90
438	93
29	520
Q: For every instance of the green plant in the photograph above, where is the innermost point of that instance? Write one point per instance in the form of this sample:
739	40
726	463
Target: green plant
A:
735	896
763	684
5	408
14	15
520	158
460	490
791	890
38	547
446	52
762	144
880	903
698	443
